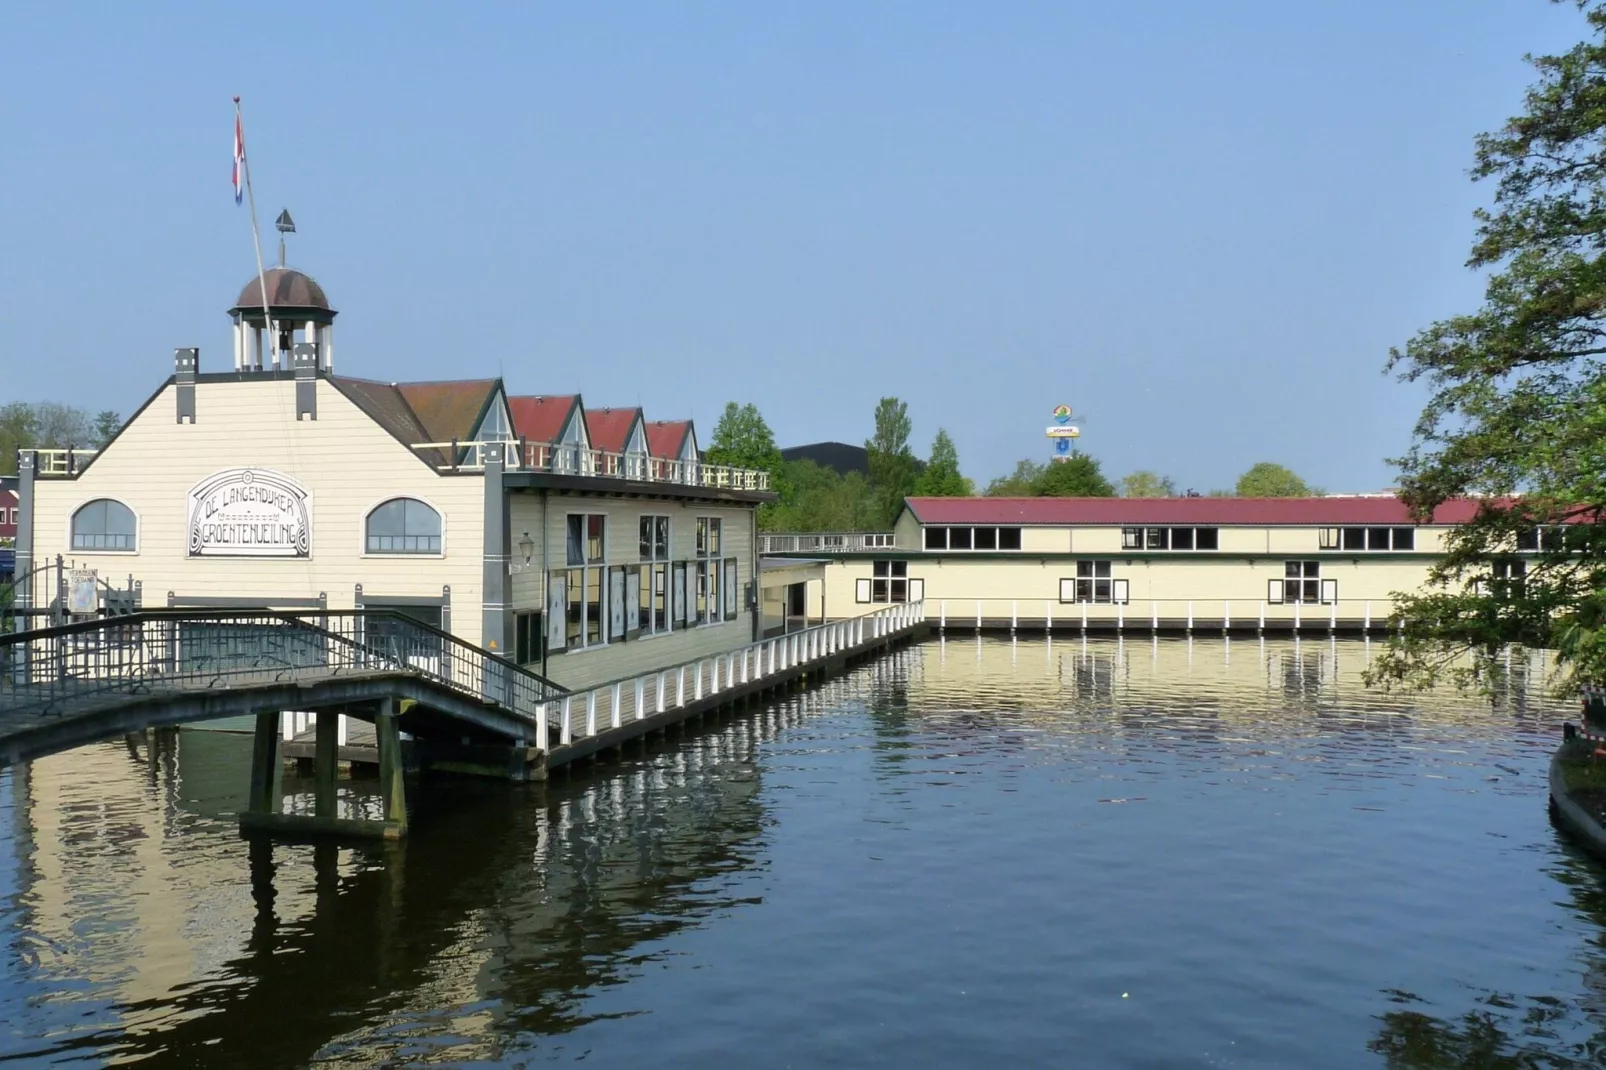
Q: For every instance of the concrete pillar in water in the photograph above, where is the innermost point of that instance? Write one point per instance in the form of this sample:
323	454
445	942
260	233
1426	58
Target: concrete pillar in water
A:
265	771
392	785
325	762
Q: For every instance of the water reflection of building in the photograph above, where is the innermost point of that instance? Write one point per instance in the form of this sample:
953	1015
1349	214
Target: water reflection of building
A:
179	941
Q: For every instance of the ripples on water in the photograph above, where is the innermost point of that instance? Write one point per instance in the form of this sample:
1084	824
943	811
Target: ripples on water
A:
970	853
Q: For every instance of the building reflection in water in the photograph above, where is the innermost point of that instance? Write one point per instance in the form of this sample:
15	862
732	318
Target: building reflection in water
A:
142	927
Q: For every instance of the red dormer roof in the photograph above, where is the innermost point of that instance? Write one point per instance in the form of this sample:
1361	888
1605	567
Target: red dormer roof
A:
543	418
610	429
1252	512
666	438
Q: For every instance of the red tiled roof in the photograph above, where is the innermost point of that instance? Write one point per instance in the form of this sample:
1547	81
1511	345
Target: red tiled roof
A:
666	438
449	409
1295	512
610	428
541	419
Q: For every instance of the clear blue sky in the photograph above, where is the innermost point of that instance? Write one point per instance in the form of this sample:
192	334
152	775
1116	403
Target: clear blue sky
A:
1202	224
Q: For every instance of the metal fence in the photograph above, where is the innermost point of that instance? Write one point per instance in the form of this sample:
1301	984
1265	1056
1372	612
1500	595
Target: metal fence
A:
45	671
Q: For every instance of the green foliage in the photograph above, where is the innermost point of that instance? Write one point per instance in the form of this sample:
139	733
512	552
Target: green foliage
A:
743	440
1518	399
1268	480
1146	484
48	425
815	498
1019	483
942	478
1075	477
1078	476
892	464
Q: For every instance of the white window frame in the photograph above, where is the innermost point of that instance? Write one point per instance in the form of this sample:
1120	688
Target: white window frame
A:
362	534
139	533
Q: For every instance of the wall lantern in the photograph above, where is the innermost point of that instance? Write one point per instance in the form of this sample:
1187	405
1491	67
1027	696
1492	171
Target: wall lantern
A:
527	547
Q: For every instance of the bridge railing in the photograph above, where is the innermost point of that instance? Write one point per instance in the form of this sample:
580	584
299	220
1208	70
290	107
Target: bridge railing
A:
45	671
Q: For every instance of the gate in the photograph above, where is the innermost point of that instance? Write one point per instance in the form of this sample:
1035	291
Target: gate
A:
60	592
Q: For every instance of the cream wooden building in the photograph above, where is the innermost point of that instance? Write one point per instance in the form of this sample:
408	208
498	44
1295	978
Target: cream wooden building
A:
1168	563
279	484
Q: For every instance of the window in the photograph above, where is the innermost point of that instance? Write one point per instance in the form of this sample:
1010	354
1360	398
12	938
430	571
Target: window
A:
1368	539
966	538
103	524
1547	539
1093	582
587	538
585	622
654	593
404	526
889	582
707	604
1302	584
655	538
1168	538
526	638
1509	578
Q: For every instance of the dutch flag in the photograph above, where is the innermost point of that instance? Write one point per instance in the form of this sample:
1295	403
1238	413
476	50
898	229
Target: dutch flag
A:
239	161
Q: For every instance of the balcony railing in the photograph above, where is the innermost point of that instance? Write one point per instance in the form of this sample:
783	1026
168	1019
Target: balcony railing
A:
825	542
61	463
552	459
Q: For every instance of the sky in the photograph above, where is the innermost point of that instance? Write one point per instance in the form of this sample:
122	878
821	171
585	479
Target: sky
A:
1202	226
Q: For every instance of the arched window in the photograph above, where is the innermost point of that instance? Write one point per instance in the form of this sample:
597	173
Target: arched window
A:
103	525
404	526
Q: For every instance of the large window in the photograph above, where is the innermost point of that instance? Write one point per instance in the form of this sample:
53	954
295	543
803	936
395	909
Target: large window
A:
1547	539
584	620
709	571
1302	584
103	524
972	538
1509	578
889	583
654	594
1157	538
1094	583
1367	539
404	526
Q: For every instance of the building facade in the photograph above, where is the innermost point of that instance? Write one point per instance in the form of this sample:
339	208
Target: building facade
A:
279	484
1168	563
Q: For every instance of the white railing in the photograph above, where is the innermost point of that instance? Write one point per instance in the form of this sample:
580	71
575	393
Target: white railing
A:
583	714
1142	615
825	542
576	461
55	464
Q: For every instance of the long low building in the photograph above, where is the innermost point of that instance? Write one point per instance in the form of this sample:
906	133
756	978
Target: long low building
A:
1136	562
587	544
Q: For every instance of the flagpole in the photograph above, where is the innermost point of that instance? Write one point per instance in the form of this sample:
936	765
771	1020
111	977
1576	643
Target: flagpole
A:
256	239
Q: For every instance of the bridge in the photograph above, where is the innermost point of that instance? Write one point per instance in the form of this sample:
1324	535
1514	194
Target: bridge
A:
106	677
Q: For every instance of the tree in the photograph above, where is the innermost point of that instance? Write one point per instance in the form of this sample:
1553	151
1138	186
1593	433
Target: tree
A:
892	465
1516	417
107	424
743	440
942	478
1076	477
1019	483
46	425
1267	480
1146	484
816	498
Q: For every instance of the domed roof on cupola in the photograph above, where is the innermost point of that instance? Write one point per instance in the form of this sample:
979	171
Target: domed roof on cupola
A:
289	291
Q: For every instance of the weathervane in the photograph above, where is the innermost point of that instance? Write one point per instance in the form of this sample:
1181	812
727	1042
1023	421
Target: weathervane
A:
284	225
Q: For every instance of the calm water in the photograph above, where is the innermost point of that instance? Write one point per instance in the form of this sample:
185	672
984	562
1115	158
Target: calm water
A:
972	853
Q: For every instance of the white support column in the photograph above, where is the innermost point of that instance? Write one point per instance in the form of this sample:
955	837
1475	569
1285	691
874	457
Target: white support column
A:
1262	617
1332	615
1014	616
1190	616
566	726
1367	625
615	714
978	614
697	684
1226	616
1048	617
641	697
1296	617
680	686
1154	615
542	729
662	691
1084	618
942	615
591	712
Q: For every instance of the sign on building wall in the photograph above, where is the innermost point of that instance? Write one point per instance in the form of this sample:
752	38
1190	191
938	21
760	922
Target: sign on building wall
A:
250	512
83	591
